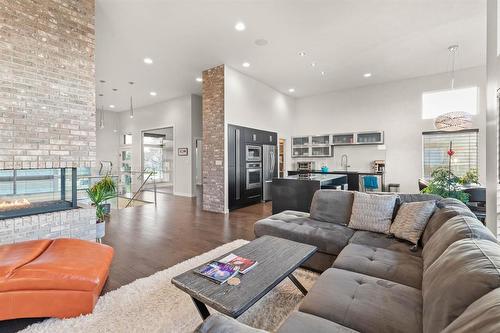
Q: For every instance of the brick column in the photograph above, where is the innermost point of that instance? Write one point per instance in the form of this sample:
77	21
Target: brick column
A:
213	139
47	84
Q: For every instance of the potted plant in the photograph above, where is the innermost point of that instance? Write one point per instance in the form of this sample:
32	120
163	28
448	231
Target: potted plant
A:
469	178
98	194
107	184
446	184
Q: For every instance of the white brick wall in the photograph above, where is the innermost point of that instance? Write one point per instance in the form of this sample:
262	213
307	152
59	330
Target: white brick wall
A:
76	223
47	84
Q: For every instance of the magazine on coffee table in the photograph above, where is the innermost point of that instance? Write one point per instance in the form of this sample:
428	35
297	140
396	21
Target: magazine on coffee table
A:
243	264
218	272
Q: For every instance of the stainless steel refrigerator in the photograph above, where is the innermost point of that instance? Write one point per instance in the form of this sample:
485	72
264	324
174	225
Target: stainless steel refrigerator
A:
269	170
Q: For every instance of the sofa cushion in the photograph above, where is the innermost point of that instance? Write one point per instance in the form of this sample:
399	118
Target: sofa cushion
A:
481	316
364	303
17	255
411	220
380	263
66	264
415	197
330	238
450	202
466	271
332	206
384	242
219	323
456	228
300	322
372	212
440	216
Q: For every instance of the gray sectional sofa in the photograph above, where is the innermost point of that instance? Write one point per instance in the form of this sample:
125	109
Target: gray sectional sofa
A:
373	283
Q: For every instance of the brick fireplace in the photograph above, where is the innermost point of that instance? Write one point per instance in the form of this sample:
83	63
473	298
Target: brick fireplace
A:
47	112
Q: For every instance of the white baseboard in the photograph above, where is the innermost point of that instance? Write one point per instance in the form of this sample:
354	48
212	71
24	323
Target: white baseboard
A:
180	194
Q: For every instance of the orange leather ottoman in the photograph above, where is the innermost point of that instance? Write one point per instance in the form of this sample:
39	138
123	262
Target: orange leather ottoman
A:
52	278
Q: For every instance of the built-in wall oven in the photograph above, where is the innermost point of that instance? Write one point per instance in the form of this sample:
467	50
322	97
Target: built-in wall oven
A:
254	175
253	153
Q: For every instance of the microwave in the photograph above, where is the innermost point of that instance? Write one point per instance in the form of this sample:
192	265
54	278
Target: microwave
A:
253	153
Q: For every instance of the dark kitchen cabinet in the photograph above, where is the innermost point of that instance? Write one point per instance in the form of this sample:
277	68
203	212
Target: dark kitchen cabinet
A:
254	136
239	194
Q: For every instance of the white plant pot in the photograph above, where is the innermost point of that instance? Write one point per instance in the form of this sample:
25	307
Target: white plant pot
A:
100	230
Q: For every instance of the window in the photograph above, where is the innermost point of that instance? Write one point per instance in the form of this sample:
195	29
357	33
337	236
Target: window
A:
127	139
437	144
436	103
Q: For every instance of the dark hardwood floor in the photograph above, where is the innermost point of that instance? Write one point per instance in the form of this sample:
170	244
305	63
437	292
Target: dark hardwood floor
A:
148	239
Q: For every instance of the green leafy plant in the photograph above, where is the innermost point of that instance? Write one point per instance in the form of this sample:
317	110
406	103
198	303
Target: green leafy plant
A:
470	177
99	193
446	184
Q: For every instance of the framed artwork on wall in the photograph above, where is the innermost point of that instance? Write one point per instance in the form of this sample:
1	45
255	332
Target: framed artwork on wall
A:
182	151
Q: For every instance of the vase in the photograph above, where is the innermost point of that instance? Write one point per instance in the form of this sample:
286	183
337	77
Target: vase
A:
100	230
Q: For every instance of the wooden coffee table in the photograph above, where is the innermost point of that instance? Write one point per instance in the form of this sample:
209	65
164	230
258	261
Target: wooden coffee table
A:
277	259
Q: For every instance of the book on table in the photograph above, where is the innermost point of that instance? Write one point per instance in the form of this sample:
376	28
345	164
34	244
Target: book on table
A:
243	264
218	272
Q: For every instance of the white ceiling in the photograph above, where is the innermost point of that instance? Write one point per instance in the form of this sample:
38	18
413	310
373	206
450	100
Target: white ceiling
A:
393	39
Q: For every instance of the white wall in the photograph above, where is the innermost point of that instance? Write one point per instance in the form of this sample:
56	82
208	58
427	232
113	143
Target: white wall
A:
197	133
177	113
493	79
394	108
107	140
251	103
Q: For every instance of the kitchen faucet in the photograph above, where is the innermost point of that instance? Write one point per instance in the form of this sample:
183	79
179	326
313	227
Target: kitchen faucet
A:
344	162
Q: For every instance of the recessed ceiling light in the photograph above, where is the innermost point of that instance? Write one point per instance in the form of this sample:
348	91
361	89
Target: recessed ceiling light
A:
313	64
245	64
148	61
367	74
291	90
302	53
261	42
44	107
153	93
323	73
240	26
199	79
112	106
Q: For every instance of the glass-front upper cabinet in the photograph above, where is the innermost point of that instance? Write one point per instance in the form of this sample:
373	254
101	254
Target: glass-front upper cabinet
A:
367	138
300	151
318	140
343	139
321	151
300	141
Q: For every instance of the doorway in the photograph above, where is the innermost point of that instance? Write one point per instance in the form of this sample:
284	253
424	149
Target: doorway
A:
282	144
198	177
158	157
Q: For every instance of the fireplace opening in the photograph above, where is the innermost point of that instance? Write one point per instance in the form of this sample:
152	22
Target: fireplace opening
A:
34	191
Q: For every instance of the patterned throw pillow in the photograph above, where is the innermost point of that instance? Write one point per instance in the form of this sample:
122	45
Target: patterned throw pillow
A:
411	220
372	212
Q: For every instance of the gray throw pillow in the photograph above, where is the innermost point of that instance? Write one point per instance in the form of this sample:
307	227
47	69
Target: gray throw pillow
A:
372	212
411	220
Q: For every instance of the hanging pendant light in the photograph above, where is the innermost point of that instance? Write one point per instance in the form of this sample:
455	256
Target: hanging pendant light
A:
101	123
131	103
455	120
101	114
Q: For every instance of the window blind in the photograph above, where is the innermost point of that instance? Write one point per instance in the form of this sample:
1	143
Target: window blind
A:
436	146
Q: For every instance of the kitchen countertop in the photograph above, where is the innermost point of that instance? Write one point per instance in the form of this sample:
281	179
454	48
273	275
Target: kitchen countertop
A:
319	177
344	172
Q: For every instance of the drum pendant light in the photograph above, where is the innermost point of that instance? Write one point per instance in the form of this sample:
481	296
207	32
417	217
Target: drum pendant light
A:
456	120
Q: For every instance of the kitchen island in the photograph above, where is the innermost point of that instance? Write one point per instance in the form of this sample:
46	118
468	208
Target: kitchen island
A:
353	177
296	192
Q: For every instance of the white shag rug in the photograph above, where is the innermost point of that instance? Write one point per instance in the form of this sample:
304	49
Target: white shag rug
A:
153	304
